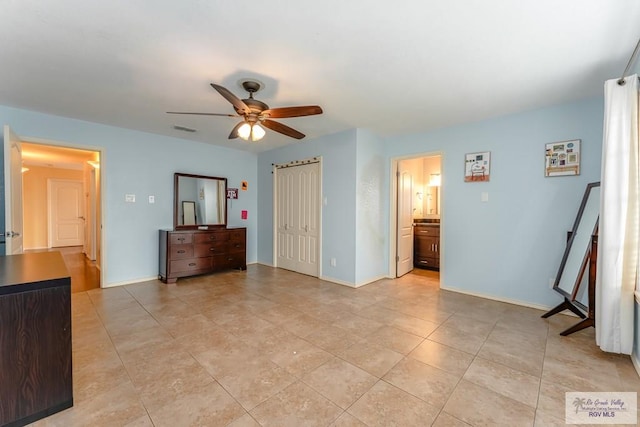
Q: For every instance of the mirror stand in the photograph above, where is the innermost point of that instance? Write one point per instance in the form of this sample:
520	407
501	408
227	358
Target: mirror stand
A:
590	318
565	305
581	250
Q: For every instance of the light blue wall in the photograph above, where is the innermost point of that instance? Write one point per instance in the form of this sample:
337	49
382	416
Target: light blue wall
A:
510	246
507	248
143	164
338	152
372	208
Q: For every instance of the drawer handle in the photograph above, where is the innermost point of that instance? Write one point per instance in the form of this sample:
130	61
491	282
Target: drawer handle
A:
212	249
181	251
211	237
180	239
238	245
192	264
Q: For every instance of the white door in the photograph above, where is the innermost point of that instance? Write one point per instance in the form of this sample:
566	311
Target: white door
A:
66	213
13	192
404	259
285	218
308	196
298	218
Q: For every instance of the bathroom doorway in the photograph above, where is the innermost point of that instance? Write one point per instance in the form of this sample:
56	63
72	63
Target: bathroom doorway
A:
416	215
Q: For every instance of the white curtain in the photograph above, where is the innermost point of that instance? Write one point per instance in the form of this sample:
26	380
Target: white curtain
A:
617	269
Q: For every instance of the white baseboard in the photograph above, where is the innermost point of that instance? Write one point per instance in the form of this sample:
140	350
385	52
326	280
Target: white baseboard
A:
500	299
366	282
337	281
264	263
130	282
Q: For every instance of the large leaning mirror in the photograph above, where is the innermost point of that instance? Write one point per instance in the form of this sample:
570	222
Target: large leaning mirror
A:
199	201
570	280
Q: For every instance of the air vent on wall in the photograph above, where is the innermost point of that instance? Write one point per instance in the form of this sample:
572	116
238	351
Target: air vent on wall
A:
183	128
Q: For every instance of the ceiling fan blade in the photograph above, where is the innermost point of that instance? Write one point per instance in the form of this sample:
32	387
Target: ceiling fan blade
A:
284	112
203	114
234	131
283	129
234	100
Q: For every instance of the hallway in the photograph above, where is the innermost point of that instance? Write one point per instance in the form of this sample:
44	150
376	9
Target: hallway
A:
84	273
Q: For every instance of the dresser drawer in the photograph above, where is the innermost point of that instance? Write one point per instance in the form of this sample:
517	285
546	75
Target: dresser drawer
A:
237	246
181	251
180	238
230	260
192	264
211	237
209	249
237	235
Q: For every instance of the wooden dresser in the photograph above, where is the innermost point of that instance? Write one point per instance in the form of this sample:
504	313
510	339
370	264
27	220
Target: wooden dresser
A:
190	252
35	337
426	246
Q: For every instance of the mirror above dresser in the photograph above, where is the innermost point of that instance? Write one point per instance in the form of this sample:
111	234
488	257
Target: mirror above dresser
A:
199	201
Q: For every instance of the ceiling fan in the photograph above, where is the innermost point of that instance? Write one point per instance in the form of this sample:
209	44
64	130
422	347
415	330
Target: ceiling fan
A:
255	113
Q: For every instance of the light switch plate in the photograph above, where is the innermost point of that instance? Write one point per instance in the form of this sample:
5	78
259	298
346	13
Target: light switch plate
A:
152	199
484	196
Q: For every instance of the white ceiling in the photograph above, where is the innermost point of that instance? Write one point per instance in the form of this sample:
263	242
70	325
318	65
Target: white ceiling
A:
393	67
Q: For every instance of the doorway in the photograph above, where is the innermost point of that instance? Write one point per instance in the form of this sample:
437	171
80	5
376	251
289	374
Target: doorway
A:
62	205
415	214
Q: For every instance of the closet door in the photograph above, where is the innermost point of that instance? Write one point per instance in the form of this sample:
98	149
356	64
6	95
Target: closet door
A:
285	234
298	218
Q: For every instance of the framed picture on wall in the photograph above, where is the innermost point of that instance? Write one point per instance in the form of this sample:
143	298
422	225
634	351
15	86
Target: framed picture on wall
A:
477	167
562	158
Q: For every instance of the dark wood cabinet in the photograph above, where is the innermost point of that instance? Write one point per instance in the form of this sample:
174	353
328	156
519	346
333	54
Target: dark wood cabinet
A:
186	253
35	337
426	246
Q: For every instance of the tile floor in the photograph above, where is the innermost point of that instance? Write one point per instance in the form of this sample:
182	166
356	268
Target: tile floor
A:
269	347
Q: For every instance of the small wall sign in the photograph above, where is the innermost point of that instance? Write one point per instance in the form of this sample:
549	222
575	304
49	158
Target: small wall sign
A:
244	185
244	214
232	193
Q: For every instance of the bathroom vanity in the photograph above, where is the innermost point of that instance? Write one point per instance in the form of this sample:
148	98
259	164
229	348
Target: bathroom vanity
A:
426	244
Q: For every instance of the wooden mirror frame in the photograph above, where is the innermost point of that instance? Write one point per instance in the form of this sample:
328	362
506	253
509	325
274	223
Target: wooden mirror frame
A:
177	202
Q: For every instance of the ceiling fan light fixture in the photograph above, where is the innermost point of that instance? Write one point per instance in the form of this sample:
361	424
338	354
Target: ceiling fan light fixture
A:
257	132
253	132
244	131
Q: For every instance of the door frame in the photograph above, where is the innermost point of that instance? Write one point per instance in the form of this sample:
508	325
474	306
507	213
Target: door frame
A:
274	226
101	261
393	210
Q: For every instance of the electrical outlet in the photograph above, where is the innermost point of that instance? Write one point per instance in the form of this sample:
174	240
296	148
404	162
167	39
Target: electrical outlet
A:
152	199
333	262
